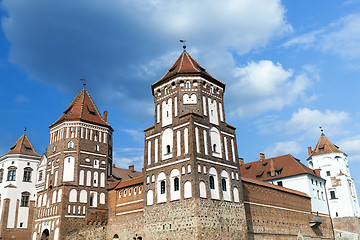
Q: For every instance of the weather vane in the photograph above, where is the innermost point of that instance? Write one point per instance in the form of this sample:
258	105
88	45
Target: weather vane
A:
83	79
321	129
184	42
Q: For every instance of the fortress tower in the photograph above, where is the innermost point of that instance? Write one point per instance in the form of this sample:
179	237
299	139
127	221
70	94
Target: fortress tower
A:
191	170
78	162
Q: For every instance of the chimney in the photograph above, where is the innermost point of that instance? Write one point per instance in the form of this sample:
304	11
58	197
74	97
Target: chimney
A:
131	168
309	150
262	157
272	168
241	161
105	115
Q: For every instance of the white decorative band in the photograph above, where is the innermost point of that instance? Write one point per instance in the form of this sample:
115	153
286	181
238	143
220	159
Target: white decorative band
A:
182	125
201	125
168	164
74	216
54	155
218	163
48	218
152	136
95	154
134	211
227	134
127	203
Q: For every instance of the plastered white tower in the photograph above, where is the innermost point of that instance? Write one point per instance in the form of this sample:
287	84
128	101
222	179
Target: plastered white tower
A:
334	168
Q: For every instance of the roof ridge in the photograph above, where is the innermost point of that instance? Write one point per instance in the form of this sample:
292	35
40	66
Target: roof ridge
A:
181	61
191	62
82	102
72	107
96	109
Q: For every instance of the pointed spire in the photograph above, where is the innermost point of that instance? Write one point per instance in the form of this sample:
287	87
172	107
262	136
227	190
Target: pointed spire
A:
185	65
82	108
23	146
324	146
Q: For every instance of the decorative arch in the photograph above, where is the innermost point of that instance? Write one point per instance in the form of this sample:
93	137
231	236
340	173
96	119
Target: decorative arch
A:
236	194
175	184
225	185
161	187
167	143
59	195
150	197
202	189
187	190
83	196
72	195
213	183
215	142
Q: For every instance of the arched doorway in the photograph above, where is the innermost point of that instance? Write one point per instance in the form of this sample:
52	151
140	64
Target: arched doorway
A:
45	235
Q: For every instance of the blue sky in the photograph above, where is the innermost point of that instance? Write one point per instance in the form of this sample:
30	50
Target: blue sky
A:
289	66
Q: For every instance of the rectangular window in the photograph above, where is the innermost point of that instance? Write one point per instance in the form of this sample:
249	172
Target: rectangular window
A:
24	200
332	195
162	187
223	184
279	183
1	175
327	173
27	175
40	176
212	182
11	175
176	184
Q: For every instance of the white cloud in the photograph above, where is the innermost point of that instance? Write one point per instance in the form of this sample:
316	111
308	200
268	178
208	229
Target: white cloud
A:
21	99
351	147
124	46
136	135
281	148
340	38
308	121
264	86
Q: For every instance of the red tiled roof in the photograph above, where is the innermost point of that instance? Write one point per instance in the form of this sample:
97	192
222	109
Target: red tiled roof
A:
269	185
23	146
130	182
323	146
125	174
82	108
285	166
186	65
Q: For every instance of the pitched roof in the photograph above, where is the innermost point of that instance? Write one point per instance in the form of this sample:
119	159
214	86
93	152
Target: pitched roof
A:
82	108
124	175
283	166
323	146
23	146
269	185
186	65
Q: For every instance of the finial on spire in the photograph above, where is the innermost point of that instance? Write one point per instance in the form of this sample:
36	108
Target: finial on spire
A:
184	42
24	129
83	79
322	130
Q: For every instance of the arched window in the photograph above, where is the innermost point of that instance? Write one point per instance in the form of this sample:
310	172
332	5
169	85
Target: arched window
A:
25	196
236	194
116	237
93	199
81	177
188	84
166	90
83	196
175	184
96	178
39	201
161	187
44	199
72	195
88	178
225	185
213	182
150	198
53	199
202	189
102	198
187	190
11	174
168	150
59	195
96	163
167	143
215	142
102	179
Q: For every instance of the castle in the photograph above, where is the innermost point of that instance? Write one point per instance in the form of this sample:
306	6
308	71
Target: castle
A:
190	186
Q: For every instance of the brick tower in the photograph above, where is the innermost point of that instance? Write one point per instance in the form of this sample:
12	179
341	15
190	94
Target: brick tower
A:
79	160
192	183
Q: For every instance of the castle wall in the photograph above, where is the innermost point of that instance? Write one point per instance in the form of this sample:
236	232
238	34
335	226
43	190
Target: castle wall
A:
277	213
347	228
